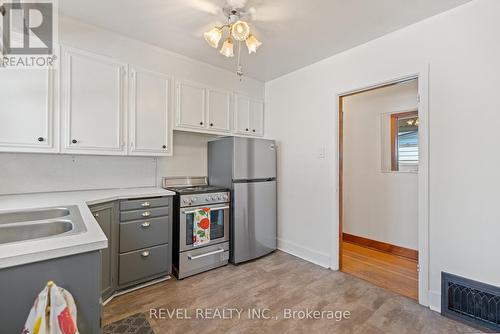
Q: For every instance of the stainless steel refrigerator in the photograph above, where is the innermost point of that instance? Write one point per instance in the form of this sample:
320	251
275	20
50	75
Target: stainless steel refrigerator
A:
247	166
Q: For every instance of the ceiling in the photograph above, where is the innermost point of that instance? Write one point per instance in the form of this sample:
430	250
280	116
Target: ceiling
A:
295	33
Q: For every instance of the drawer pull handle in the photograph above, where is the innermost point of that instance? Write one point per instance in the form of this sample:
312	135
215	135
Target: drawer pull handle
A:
145	254
96	215
145	204
146	214
146	224
191	257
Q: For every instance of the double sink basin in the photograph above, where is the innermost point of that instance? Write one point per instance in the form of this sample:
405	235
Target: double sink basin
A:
25	225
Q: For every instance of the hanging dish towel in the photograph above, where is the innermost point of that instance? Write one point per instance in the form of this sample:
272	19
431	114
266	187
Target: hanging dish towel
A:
54	312
201	227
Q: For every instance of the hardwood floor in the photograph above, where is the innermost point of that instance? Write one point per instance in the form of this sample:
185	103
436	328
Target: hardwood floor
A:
386	270
276	282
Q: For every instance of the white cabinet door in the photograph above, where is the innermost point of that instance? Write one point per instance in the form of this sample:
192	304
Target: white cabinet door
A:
218	110
241	114
190	111
94	104
150	130
27	110
256	118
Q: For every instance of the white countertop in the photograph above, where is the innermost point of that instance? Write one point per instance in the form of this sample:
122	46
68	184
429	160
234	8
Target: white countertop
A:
17	253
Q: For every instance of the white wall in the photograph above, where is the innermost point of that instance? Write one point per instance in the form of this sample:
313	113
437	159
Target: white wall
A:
21	173
463	51
26	173
378	204
190	156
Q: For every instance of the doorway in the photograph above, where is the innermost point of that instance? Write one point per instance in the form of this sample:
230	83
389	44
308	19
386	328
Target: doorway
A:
379	185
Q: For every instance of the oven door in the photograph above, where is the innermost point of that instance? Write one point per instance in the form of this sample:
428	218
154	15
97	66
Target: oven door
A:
219	225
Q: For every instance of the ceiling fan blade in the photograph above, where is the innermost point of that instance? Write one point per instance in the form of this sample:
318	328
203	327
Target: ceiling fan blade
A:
204	6
236	3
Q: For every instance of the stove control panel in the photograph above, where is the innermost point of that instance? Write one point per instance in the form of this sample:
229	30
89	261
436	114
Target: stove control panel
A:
204	199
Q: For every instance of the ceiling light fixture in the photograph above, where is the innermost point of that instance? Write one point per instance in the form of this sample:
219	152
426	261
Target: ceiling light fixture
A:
213	36
238	30
227	48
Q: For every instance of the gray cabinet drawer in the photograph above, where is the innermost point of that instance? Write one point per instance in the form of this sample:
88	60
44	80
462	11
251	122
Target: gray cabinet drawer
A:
144	214
144	203
139	234
141	264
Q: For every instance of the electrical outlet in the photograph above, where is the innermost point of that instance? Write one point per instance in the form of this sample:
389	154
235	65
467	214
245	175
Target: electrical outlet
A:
322	153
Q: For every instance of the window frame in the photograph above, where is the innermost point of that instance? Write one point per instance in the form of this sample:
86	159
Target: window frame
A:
394	136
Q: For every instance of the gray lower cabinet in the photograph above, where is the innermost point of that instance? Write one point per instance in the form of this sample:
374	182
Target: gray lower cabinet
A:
106	216
145	240
139	233
79	274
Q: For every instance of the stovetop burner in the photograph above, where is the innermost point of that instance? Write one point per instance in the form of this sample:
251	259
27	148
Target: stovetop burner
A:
190	185
196	189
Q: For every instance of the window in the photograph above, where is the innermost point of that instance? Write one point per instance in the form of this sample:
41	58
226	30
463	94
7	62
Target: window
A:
404	141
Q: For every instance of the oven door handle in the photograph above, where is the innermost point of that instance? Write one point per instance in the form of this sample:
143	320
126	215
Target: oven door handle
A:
211	209
191	257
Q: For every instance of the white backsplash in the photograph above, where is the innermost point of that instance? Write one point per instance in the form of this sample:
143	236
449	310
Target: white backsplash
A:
30	173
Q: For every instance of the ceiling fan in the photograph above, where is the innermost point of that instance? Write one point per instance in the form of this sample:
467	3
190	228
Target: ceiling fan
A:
236	29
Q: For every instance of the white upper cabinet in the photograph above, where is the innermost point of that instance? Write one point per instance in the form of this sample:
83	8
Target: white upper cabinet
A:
219	110
150	131
241	114
202	109
27	110
190	109
93	89
256	118
248	116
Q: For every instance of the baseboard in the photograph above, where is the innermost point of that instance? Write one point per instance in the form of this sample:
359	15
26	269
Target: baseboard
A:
305	253
435	301
381	246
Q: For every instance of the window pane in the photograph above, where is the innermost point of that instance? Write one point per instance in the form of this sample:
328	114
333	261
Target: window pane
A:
407	143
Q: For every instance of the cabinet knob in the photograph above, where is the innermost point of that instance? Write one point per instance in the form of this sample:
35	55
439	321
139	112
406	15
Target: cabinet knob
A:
74	141
201	123
246	129
211	124
145	204
96	214
253	130
164	146
41	139
146	224
145	254
146	214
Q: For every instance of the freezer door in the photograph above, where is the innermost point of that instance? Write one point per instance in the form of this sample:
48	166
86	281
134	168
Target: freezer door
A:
253	231
254	159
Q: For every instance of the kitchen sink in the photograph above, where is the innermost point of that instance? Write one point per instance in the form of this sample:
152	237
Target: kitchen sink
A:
42	214
18	226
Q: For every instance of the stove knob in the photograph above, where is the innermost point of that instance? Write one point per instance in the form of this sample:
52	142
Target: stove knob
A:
207	199
193	199
219	197
210	198
224	197
185	200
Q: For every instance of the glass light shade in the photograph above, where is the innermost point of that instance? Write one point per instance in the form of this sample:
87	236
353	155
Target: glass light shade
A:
240	30
213	36
252	44
227	48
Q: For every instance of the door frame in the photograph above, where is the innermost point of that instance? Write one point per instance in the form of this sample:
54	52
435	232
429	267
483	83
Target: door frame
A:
423	175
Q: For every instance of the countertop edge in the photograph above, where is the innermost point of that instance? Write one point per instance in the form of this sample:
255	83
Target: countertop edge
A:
91	240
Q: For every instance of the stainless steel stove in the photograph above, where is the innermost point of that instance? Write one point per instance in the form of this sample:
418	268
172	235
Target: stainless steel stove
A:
192	195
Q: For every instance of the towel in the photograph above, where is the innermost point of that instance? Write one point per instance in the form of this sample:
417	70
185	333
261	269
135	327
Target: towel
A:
201	227
53	312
